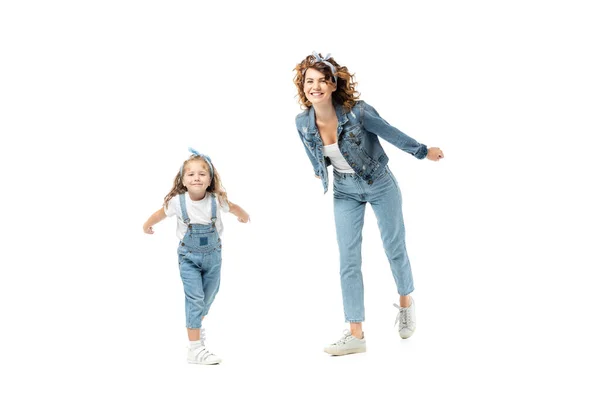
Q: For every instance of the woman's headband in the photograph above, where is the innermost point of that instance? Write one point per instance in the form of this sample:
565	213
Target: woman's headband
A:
323	60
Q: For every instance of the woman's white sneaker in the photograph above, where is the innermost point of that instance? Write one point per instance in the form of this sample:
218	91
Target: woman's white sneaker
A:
406	320
348	344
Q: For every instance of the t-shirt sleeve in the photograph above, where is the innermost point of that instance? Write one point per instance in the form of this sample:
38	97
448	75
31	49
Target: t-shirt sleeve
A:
172	207
224	207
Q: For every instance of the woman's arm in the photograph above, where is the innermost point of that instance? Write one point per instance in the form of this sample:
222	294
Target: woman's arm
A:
377	125
312	159
153	220
435	154
239	212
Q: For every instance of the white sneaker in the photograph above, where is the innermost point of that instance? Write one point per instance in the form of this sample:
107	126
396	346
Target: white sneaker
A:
199	354
406	320
348	344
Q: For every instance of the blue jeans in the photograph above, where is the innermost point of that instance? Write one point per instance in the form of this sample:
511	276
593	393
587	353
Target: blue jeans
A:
350	195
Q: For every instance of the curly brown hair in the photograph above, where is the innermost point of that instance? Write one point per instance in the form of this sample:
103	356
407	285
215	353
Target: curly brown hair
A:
345	94
216	186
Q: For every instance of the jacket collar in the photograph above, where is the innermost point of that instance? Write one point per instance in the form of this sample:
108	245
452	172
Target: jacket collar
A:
312	122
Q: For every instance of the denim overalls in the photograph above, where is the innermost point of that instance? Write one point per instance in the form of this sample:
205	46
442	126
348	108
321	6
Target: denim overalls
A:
199	254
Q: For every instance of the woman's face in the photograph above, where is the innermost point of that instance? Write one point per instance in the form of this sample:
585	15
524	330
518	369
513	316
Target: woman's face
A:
316	88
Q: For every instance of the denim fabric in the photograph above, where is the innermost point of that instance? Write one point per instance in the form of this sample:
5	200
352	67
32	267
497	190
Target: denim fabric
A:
199	254
358	135
350	195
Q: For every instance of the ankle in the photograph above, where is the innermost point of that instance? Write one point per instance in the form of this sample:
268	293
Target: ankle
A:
358	334
405	301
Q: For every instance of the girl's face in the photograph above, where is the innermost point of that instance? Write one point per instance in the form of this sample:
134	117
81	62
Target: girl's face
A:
316	88
196	178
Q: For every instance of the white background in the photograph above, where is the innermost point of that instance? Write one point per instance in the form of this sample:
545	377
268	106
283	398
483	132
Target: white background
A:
100	100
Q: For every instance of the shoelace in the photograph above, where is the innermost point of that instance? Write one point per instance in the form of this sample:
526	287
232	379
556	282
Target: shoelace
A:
403	316
343	340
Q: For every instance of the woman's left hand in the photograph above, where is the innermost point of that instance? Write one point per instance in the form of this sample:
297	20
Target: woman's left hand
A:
434	154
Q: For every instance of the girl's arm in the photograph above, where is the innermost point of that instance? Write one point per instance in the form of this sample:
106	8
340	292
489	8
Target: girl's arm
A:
239	212
153	220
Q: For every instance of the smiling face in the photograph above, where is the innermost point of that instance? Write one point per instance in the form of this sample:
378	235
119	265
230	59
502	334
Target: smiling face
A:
196	178
317	88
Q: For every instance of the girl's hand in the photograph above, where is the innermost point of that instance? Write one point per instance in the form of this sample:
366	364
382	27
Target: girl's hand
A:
434	154
239	212
153	220
244	217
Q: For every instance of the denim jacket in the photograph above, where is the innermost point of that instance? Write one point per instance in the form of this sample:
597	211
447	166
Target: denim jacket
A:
358	135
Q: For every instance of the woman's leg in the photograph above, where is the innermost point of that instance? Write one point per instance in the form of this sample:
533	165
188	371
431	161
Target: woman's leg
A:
386	201
349	219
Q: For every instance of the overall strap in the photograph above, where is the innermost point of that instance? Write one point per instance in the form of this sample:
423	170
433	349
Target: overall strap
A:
213	202
184	214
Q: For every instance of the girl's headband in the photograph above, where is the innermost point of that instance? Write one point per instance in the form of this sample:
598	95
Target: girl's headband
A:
205	157
324	61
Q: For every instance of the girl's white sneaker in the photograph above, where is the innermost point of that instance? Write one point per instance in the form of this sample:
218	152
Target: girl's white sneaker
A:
201	355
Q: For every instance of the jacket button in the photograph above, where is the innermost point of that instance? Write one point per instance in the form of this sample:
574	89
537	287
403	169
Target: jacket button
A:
352	135
370	182
182	244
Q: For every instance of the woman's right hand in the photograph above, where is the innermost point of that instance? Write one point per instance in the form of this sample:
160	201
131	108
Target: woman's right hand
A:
434	154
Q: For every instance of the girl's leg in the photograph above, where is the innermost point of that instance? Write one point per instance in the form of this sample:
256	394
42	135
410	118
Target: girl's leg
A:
211	278
193	334
191	277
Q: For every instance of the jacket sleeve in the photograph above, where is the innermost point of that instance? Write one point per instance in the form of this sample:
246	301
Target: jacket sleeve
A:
312	159
373	123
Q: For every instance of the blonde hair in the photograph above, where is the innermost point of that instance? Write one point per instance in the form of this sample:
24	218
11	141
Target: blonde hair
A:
215	187
345	94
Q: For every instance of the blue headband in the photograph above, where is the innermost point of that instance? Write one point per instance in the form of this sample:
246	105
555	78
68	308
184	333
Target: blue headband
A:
205	157
324	61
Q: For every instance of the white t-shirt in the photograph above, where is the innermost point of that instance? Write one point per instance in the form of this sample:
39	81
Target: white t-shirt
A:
199	212
337	159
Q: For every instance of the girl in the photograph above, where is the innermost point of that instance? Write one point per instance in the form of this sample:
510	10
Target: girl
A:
338	129
197	199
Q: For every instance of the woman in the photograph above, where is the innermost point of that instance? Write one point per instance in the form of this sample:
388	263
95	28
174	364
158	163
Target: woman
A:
339	129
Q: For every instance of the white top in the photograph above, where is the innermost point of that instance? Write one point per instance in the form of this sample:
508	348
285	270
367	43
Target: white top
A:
337	159
199	212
